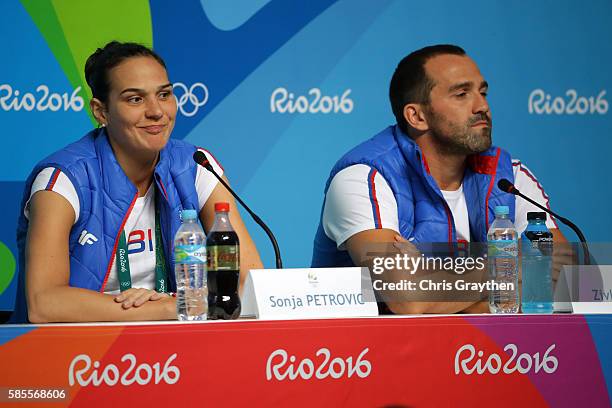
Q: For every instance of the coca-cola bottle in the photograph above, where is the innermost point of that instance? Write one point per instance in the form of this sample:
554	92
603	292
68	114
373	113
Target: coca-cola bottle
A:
223	256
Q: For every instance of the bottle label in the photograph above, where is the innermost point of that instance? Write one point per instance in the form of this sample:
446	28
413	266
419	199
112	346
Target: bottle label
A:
190	254
545	245
503	248
537	243
223	258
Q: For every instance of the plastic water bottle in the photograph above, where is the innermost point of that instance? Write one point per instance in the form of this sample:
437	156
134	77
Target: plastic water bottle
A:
223	249
190	268
503	263
536	248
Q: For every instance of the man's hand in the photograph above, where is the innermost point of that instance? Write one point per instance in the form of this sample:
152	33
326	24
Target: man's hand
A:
404	246
563	253
477	308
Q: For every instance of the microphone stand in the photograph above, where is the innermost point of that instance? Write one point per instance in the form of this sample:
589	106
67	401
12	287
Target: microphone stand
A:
587	260
203	161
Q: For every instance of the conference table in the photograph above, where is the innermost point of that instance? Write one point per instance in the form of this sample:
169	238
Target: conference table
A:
395	361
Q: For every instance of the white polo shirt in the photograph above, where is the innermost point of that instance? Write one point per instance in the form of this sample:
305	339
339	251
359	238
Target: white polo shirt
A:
359	199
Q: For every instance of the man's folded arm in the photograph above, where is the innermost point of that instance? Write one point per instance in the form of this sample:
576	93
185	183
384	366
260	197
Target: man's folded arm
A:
359	246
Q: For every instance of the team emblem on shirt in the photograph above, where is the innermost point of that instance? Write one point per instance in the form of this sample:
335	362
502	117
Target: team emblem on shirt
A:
138	241
87	238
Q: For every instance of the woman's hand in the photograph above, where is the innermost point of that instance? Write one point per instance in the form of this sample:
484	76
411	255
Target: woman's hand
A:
135	297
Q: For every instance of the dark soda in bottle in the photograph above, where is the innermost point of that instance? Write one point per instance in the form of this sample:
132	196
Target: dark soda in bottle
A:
223	256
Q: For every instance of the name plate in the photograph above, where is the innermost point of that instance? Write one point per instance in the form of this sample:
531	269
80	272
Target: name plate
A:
587	288
308	293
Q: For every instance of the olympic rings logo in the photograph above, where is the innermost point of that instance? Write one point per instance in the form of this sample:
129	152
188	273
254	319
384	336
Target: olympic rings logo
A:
191	99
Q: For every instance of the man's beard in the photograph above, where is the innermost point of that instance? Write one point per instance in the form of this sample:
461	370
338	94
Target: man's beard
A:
453	138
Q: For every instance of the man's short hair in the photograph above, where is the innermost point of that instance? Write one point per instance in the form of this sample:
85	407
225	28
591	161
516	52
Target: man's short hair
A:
410	83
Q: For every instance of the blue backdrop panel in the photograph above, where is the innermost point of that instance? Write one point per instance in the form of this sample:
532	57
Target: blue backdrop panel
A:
282	89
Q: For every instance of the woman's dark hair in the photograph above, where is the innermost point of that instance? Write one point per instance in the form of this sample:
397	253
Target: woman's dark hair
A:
106	58
410	83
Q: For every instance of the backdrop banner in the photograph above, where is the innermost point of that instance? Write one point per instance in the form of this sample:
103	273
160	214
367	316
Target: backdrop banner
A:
279	90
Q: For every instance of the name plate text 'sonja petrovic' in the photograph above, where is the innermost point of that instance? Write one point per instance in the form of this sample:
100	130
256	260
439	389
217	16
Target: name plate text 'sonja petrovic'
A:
308	293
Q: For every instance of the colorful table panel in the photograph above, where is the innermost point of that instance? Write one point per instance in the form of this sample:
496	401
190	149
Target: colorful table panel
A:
560	361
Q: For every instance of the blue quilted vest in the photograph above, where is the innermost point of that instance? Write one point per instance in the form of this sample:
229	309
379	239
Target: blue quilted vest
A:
423	213
106	199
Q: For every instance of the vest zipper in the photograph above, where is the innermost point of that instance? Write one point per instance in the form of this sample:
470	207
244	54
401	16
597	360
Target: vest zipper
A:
451	221
491	183
449	216
110	263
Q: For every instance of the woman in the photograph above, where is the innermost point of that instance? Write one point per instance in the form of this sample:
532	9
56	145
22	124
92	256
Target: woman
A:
107	194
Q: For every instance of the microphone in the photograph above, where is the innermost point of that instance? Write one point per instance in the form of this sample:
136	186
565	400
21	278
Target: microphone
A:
506	186
201	159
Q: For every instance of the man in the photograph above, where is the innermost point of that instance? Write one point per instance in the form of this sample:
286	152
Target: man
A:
430	178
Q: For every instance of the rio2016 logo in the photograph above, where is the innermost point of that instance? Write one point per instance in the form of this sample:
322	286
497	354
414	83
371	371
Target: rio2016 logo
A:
283	101
189	100
466	363
41	99
336	368
80	372
542	103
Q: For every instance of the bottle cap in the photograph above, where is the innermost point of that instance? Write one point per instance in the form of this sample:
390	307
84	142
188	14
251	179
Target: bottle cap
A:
536	215
221	207
189	215
502	210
